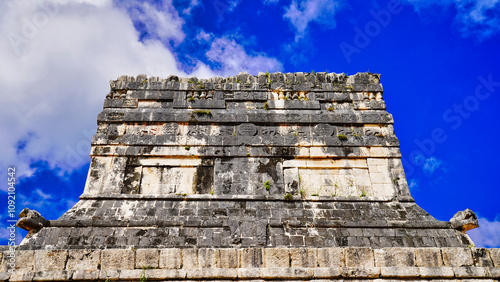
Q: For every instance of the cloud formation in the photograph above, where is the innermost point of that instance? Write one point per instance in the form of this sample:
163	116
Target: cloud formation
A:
157	19
487	233
301	13
431	164
193	4
233	58
473	17
54	76
413	184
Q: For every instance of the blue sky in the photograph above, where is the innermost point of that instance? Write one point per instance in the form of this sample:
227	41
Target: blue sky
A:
438	59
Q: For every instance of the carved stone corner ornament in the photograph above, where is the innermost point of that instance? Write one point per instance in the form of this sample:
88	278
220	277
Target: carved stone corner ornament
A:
31	221
464	220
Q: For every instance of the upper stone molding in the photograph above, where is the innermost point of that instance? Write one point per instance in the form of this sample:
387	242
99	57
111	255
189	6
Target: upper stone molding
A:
299	81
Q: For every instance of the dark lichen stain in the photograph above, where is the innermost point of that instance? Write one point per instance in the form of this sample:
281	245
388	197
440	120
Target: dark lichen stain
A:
347	151
271	168
286	152
294	186
204	179
147	150
140	232
131	177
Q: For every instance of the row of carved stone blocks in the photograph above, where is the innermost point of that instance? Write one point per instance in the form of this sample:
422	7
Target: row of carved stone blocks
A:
253	263
301	81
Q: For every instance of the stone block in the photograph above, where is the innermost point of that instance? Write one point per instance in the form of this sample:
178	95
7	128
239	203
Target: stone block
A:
83	259
494	272
227	258
457	257
117	259
132	274
399	272
147	258
327	272
25	261
389	257
471	272
481	257
428	257
495	256
250	257
303	257
4	276
360	272
207	258
436	272
109	274
64	275
161	274
380	178
212	273
47	260
21	276
85	275
330	257
170	259
373	162
359	257
189	258
276	257
286	273
248	273
43	276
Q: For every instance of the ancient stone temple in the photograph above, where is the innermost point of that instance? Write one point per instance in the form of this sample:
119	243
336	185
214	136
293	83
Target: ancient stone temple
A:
292	176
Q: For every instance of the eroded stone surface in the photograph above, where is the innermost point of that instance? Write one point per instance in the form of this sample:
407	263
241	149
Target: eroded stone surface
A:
48	260
394	257
428	257
221	266
457	256
117	259
277	176
83	259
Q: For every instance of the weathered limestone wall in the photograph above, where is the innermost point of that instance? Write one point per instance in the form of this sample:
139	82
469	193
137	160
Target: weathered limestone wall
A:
322	134
269	177
387	264
274	160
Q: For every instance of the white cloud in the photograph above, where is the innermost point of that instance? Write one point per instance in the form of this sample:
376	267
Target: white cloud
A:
233	58
56	63
301	13
159	18
413	184
43	195
431	164
193	4
203	36
54	77
473	17
487	235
